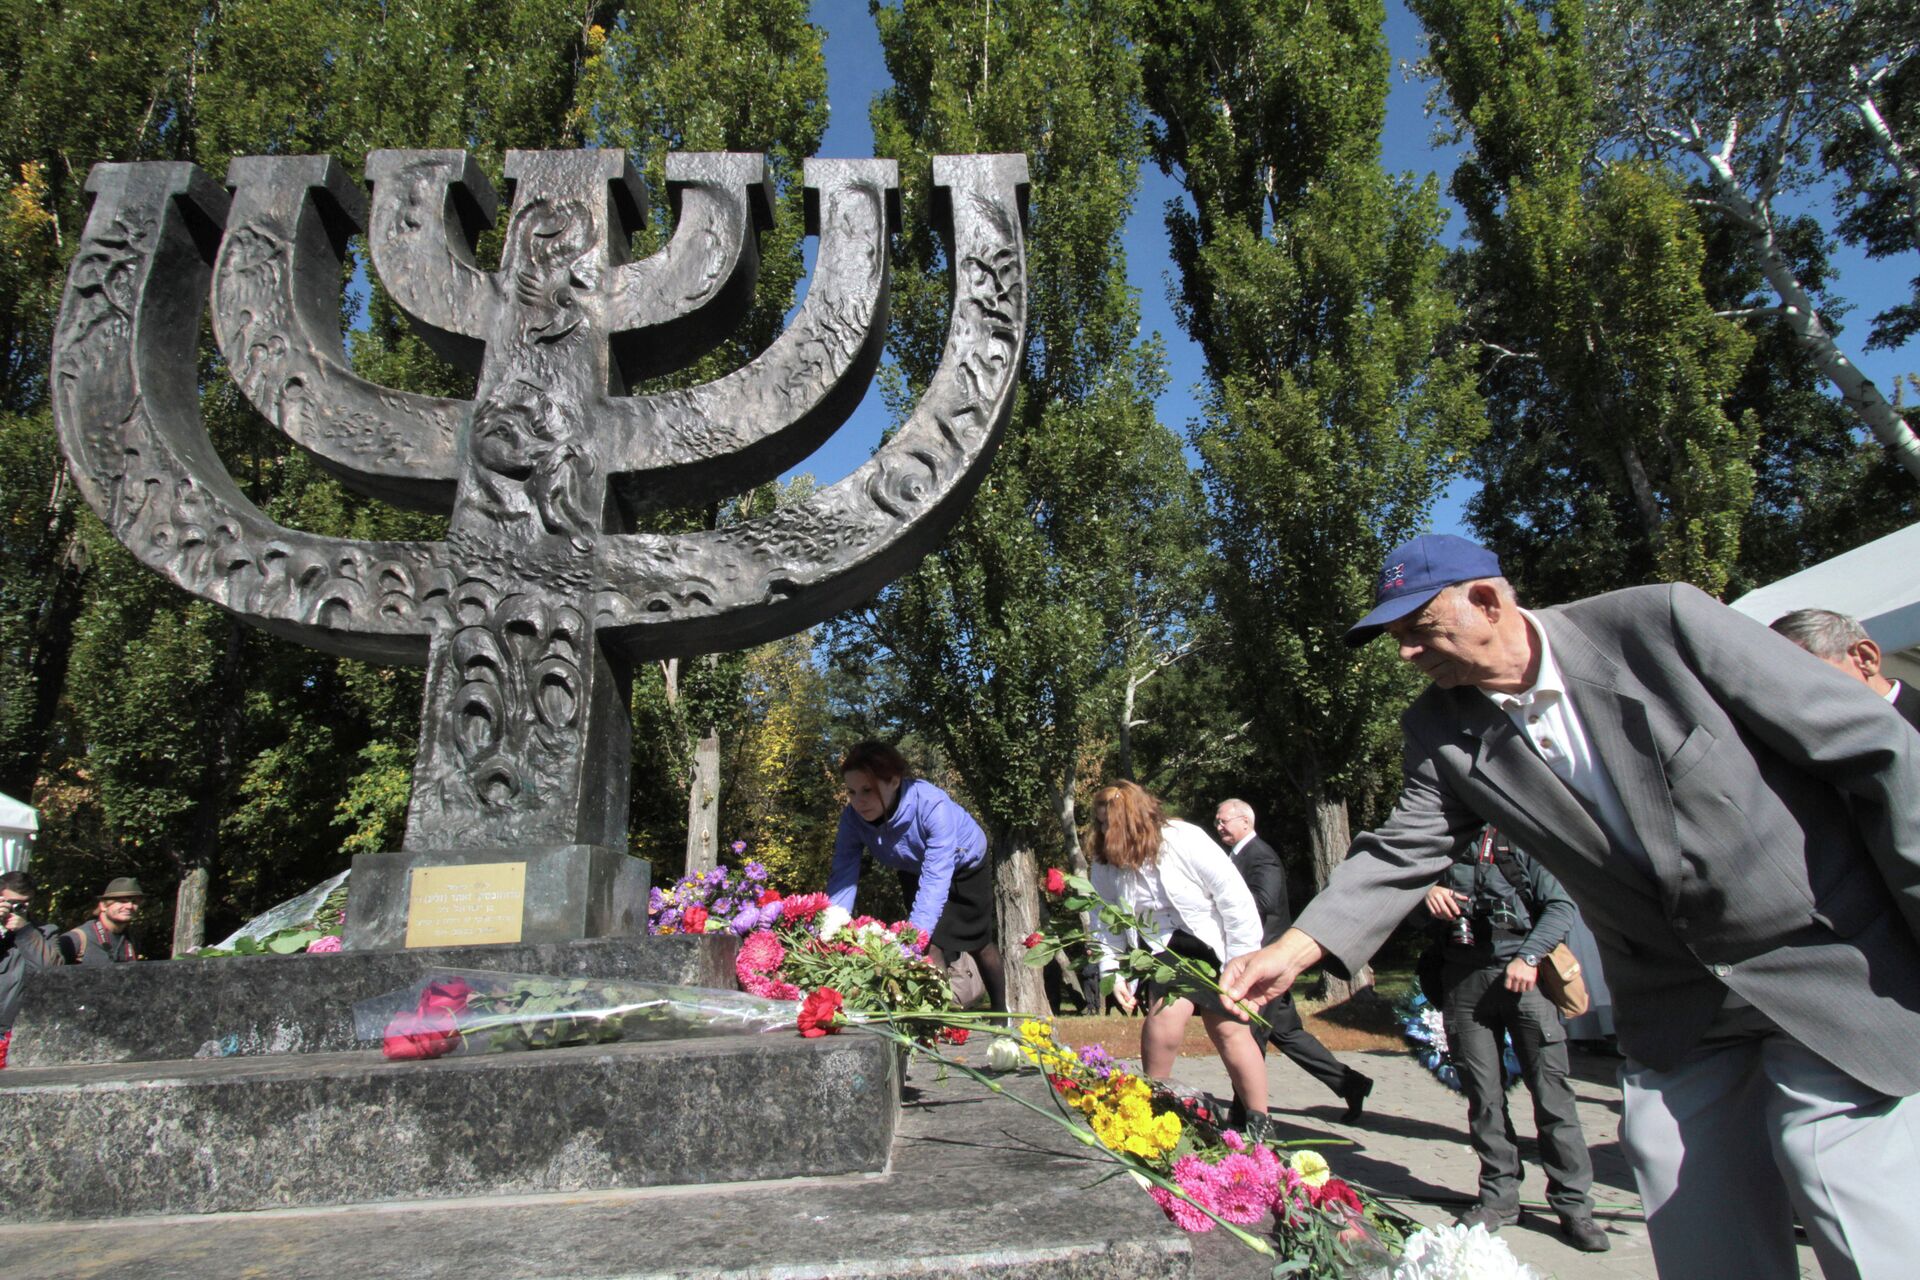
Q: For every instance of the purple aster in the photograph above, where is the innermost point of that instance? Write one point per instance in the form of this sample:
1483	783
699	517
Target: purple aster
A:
669	919
755	871
656	900
724	906
1096	1059
739	846
771	913
716	877
746	922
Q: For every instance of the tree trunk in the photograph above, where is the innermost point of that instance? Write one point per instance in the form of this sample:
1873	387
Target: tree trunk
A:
52	646
190	912
1857	390
703	807
1328	839
1016	906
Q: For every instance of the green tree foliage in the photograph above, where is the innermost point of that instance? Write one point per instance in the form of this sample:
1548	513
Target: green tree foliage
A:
1334	414
1002	647
1607	366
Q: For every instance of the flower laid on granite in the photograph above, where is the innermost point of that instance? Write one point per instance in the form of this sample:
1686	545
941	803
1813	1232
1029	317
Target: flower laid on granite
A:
758	966
716	901
1454	1252
324	946
820	1013
432	1029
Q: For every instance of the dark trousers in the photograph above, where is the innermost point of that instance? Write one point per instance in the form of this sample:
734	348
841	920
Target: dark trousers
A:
1286	1033
1478	1009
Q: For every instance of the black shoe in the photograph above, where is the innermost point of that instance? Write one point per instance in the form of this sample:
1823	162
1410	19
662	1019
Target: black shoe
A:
1356	1095
1487	1216
1585	1235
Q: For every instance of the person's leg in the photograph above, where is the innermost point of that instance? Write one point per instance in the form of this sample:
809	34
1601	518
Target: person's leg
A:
1474	1043
993	974
1851	1156
1697	1138
1240	1051
1292	1038
1160	1036
1541	1045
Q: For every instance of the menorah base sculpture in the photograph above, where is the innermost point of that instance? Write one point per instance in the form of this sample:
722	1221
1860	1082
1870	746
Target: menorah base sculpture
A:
473	897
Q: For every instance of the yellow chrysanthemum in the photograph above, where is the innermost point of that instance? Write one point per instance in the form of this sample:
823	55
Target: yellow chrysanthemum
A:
1311	1166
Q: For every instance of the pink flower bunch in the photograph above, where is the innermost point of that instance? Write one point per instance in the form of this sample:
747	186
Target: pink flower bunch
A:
321	946
760	957
801	908
1195	1177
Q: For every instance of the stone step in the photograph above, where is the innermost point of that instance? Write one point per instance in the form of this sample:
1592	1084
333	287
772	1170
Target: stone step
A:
250	1005
220	1135
977	1188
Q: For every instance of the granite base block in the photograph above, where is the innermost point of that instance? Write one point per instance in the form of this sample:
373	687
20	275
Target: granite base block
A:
977	1189
571	891
242	1006
334	1129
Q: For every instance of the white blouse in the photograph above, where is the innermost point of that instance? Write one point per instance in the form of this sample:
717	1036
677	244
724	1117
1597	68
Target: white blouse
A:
1191	885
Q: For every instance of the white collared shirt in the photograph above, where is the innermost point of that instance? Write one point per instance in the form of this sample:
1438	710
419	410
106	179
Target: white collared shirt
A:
1242	843
1893	693
1545	714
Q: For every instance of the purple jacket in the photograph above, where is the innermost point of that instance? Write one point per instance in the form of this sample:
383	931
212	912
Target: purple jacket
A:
927	833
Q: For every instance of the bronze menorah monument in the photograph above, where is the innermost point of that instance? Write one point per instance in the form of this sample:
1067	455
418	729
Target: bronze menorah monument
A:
531	612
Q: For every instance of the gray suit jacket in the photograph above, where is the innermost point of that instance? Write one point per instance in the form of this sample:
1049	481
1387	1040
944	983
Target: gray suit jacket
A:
1777	800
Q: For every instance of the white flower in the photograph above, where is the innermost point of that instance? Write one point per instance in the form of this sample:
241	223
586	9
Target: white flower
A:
1004	1054
1459	1253
832	921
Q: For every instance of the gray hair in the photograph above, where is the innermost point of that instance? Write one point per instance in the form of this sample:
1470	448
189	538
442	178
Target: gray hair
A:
1240	807
1821	632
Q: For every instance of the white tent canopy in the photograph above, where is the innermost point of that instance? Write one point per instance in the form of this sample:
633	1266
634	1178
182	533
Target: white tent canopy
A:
1878	583
18	822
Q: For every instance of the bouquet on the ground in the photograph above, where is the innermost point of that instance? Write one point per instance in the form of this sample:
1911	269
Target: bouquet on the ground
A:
718	901
477	1011
871	966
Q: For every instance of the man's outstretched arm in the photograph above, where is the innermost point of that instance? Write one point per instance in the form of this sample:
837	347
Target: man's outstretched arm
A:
1259	976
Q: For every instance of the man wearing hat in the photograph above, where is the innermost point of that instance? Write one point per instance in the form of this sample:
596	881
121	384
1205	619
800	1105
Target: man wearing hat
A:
104	939
1739	823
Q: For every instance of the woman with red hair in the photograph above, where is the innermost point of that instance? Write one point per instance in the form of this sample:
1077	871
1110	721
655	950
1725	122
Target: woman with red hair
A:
1192	903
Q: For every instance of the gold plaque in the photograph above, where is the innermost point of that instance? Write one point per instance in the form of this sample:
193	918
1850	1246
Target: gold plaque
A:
460	906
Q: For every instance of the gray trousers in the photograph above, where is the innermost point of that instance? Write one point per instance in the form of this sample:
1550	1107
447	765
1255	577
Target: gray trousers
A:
1753	1128
1478	1009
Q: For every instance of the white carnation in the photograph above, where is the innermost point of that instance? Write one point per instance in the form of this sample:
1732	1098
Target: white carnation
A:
1459	1253
832	921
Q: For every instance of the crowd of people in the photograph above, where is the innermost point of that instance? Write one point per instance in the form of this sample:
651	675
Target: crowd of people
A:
27	946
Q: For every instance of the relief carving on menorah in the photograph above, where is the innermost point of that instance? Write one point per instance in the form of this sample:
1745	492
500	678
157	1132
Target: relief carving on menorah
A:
531	612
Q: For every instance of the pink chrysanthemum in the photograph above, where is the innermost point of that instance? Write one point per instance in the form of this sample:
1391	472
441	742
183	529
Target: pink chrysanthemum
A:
1233	1140
1200	1181
1244	1189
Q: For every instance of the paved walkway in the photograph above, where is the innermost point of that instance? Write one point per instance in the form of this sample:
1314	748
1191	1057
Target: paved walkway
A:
1410	1147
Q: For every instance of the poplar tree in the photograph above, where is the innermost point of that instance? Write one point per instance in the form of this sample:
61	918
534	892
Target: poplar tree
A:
1335	407
1002	647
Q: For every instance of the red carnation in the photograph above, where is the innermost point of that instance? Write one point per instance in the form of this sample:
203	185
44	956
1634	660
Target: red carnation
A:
1031	940
954	1035
820	1013
694	920
1333	1193
1056	883
768	898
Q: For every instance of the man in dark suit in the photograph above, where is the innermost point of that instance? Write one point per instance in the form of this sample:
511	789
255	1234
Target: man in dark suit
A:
1739	823
1260	867
1840	641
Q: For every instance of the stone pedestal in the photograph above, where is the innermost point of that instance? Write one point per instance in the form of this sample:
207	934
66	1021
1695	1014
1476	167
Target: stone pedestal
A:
457	897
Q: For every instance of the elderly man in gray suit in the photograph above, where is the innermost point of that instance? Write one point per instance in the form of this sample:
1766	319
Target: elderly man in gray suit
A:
1740	826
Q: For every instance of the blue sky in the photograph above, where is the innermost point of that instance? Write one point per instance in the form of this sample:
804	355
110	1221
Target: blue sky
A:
855	74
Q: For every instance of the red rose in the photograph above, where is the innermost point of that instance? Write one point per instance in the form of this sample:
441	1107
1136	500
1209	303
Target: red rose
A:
820	1013
694	920
448	994
954	1035
1335	1194
1056	883
420	1035
1031	940
768	898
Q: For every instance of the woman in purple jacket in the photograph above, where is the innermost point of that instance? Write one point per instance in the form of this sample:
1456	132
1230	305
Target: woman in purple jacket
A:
938	850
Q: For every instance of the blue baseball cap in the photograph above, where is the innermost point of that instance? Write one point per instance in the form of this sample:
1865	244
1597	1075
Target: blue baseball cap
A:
1415	573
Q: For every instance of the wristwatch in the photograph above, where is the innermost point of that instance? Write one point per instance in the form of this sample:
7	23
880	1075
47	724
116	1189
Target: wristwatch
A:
1531	961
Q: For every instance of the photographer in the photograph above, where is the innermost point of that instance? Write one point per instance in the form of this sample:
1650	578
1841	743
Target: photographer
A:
1502	912
24	947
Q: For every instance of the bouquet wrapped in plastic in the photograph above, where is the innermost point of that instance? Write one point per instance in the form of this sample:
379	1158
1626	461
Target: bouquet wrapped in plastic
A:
478	1011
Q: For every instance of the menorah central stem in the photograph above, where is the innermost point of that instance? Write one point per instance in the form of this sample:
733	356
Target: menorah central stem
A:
526	729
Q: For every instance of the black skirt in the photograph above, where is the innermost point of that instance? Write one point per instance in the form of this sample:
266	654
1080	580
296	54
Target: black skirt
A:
1185	945
966	924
